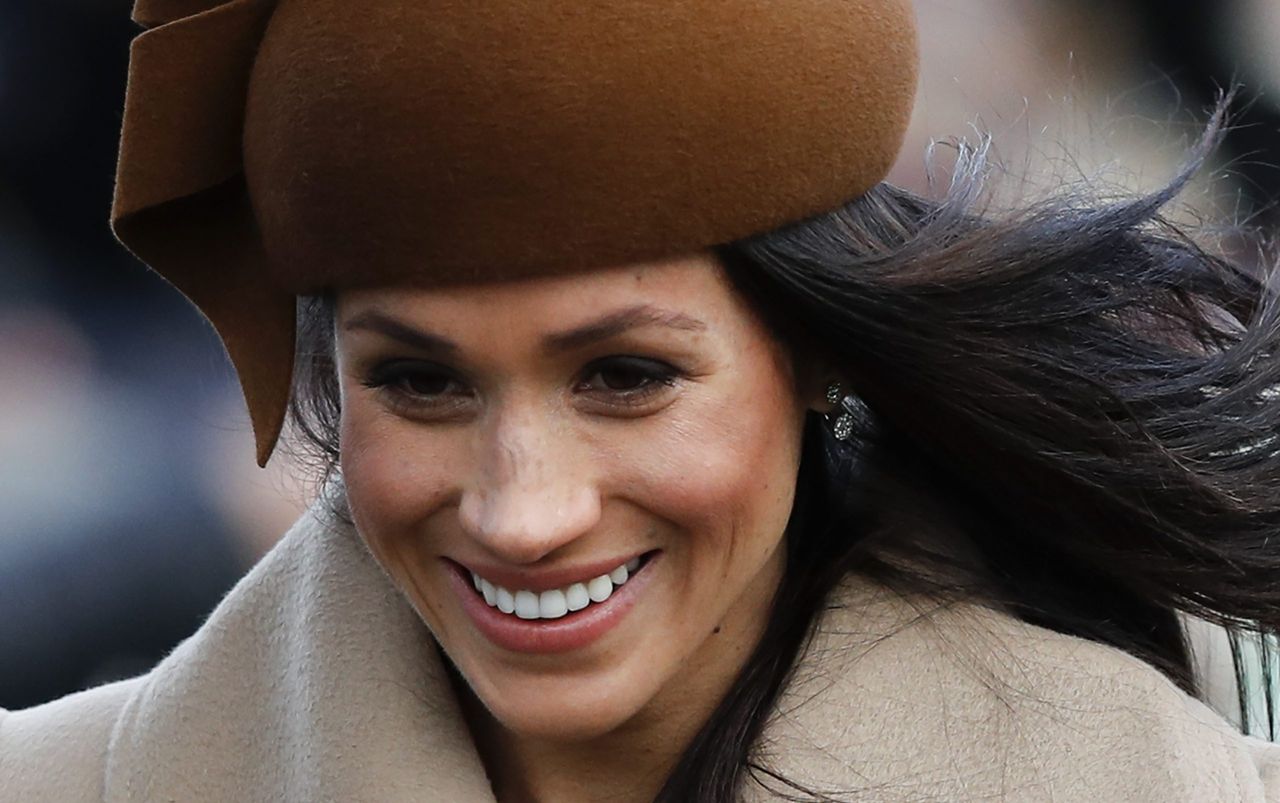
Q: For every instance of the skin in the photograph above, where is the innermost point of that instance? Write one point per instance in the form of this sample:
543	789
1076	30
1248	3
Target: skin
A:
503	452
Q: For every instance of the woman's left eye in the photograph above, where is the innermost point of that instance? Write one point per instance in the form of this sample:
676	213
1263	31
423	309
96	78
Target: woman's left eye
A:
630	378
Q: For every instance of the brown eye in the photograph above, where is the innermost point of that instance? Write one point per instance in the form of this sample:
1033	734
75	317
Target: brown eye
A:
425	384
628	376
624	378
416	381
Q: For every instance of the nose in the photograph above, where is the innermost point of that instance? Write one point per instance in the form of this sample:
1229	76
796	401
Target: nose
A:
530	496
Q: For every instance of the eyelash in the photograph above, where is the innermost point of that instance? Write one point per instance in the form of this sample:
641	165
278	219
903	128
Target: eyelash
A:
393	378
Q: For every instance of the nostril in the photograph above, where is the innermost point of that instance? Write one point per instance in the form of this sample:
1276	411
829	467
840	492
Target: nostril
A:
522	525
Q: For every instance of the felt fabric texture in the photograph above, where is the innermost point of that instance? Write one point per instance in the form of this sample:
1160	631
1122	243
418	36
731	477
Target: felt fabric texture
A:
275	148
315	681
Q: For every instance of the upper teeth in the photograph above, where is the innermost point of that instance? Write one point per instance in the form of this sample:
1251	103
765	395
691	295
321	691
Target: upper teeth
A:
556	602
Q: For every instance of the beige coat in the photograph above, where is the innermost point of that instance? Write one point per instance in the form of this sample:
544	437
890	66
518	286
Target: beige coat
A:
315	681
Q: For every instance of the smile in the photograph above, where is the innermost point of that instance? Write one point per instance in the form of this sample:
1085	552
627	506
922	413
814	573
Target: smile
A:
556	602
552	619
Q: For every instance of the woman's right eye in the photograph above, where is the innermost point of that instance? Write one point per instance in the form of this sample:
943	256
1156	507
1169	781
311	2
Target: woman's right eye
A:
415	383
424	384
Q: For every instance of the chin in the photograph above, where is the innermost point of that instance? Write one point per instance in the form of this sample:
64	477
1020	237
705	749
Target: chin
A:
560	706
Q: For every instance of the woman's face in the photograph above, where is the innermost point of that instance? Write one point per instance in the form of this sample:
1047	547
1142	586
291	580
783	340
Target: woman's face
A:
580	483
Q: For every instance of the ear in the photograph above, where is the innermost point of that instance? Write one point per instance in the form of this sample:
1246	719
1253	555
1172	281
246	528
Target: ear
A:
813	378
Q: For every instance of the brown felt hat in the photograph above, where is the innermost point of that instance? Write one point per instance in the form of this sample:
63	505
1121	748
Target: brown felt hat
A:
277	148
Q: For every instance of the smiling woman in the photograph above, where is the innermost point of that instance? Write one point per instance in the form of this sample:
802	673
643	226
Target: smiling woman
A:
639	415
668	452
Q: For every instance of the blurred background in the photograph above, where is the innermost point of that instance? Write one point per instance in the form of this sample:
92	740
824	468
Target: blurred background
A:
129	498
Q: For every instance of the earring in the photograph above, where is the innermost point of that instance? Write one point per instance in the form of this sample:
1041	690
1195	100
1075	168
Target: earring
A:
846	404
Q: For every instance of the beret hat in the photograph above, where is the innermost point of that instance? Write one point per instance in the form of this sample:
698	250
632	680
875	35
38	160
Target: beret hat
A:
277	148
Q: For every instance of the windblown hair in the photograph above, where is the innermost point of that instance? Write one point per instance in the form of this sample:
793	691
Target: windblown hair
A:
1086	399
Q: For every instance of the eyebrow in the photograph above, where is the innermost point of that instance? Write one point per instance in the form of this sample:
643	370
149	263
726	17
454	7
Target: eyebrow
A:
610	325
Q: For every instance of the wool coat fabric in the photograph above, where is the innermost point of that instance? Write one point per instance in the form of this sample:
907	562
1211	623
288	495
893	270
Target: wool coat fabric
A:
315	681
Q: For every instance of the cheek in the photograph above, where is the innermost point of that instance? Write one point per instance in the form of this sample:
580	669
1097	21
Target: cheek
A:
393	480
396	489
724	471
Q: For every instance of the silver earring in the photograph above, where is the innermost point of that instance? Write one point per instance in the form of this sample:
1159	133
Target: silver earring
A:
843	417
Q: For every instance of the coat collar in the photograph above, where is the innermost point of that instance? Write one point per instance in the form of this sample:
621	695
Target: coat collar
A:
315	680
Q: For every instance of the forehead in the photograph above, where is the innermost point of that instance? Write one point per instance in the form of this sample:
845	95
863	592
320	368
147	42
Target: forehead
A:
693	285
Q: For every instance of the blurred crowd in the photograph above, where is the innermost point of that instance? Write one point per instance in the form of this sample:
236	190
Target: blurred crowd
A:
129	498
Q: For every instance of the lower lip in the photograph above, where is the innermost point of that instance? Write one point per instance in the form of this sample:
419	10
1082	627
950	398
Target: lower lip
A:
545	636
